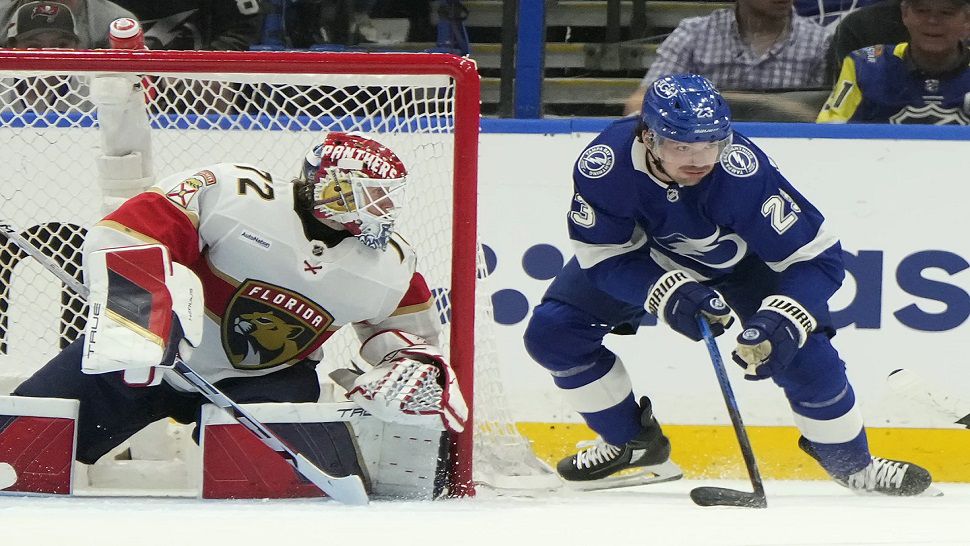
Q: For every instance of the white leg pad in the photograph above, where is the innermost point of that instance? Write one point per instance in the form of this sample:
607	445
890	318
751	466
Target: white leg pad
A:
401	461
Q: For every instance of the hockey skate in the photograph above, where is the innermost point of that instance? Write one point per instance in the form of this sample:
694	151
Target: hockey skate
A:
643	460
883	476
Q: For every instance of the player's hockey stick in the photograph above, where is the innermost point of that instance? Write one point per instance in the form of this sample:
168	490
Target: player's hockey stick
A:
909	384
720	496
347	489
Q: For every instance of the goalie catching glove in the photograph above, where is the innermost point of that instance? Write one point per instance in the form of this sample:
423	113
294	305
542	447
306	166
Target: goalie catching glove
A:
141	308
678	300
772	336
410	383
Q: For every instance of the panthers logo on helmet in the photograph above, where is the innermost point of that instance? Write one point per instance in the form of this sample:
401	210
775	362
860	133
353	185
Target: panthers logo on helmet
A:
265	325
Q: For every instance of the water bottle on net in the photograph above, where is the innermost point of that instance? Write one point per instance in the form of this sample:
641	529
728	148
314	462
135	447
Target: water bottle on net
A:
126	33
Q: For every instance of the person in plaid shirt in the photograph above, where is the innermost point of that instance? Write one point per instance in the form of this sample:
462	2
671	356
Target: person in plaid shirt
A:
761	44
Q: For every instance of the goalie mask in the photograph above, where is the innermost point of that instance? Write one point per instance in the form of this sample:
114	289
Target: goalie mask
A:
358	183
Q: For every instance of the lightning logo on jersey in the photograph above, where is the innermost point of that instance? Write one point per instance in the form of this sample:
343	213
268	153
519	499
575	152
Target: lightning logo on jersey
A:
710	251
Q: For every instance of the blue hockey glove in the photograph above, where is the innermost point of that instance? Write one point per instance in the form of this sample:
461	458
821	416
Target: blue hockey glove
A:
772	336
678	300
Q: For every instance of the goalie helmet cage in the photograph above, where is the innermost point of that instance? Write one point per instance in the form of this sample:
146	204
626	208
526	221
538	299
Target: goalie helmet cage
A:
265	108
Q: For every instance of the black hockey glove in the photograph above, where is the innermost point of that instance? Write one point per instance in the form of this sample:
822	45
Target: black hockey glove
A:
772	336
678	300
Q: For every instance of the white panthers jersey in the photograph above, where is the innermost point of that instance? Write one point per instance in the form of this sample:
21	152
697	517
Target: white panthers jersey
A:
273	295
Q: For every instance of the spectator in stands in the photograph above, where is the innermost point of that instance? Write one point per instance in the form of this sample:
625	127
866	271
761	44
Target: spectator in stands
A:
881	23
348	22
89	20
43	25
362	29
926	80
760	44
198	24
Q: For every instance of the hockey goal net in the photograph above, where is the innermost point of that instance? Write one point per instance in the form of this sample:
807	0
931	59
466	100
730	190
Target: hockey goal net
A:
266	109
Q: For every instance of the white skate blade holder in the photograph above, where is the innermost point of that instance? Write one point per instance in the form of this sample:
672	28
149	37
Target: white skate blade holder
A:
8	476
645	475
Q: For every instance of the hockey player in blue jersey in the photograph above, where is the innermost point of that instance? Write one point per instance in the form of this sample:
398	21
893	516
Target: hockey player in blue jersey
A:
678	215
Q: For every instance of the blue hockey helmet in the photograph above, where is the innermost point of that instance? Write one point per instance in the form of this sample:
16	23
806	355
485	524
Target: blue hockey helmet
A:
686	108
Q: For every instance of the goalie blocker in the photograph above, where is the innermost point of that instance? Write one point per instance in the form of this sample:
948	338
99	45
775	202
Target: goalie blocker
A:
143	309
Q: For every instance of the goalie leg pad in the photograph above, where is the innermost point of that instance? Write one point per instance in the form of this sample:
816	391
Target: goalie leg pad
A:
110	411
237	465
37	443
395	461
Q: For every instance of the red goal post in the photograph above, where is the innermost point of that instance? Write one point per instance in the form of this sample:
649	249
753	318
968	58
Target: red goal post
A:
259	107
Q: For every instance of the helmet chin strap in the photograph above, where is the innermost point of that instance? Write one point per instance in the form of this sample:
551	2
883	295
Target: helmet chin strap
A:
654	164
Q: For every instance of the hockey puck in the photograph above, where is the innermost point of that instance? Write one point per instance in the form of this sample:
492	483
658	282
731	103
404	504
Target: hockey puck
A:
8	476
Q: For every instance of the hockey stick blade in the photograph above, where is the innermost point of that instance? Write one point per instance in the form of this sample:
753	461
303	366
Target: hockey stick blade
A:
911	385
8	476
345	489
720	496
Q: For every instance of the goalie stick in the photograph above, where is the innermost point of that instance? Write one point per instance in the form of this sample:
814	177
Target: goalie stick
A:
347	489
720	496
909	384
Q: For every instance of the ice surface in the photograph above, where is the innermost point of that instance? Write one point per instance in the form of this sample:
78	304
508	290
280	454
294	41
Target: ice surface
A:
799	513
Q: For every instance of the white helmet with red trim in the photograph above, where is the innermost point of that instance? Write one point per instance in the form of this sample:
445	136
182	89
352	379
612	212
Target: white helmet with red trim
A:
357	182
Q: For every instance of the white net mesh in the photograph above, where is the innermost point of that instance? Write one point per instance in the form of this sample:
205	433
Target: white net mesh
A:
49	142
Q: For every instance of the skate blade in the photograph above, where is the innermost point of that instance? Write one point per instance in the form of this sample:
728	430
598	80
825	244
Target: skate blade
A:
931	491
515	485
645	475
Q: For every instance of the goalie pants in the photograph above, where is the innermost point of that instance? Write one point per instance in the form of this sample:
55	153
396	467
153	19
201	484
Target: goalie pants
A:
111	411
565	335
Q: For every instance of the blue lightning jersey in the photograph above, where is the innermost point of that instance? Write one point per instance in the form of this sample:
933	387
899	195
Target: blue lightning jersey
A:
629	228
879	84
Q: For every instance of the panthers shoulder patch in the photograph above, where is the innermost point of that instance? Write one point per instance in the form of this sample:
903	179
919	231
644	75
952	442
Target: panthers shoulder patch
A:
185	191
